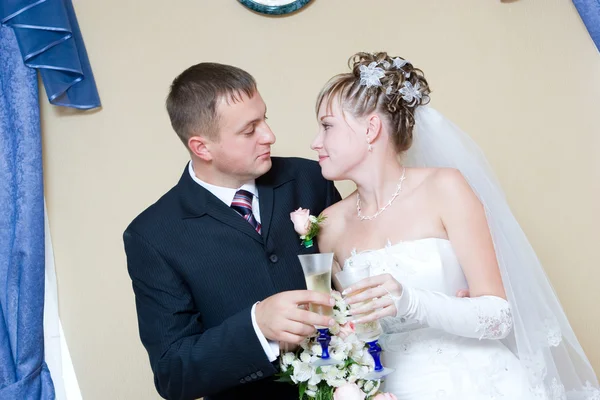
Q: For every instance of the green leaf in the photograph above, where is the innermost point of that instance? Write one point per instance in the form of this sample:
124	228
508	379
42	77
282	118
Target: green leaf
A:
319	370
348	363
284	379
301	389
326	393
315	227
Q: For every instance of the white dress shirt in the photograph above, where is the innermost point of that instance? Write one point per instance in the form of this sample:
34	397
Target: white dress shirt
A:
226	195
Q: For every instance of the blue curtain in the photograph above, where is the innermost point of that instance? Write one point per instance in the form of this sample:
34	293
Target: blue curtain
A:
50	41
40	35
23	372
589	10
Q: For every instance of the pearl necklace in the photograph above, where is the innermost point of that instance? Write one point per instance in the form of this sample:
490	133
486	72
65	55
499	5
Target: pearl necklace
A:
382	209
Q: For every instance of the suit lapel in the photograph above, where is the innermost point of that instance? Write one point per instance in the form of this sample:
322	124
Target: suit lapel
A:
267	186
197	202
220	211
265	196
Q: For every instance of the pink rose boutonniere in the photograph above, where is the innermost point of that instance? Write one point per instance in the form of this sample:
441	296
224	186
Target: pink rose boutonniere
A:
307	226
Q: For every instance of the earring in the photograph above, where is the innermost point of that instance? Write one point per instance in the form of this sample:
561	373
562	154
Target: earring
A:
369	147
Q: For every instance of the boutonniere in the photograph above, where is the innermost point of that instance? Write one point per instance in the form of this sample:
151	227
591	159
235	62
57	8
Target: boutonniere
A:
307	226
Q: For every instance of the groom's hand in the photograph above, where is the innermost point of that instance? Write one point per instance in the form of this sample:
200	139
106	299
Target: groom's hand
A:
280	318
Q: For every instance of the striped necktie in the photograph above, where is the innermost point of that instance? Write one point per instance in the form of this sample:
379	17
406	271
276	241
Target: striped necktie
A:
242	204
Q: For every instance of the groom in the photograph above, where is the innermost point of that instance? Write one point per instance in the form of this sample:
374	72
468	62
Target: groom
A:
214	262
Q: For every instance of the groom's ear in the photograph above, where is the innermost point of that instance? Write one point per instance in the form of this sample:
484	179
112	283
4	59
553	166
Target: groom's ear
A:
374	125
198	147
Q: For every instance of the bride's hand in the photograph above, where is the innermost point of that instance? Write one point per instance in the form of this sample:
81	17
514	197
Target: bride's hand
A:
377	293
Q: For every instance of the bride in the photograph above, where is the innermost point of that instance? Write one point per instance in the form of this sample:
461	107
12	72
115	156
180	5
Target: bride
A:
430	219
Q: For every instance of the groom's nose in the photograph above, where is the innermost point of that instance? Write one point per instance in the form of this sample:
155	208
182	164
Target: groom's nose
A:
267	136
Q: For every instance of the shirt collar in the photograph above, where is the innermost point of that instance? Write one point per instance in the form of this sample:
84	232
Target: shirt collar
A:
224	194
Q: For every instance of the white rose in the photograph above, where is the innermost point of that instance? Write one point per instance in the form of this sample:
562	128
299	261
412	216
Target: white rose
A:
305	357
355	354
364	371
337	345
335	329
287	358
355	369
371	387
302	371
316	350
367	360
337	382
315	379
368	386
334	377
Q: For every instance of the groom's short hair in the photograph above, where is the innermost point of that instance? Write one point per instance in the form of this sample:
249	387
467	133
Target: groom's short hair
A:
195	93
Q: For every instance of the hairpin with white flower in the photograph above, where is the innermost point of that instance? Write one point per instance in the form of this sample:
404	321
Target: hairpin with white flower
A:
371	75
399	62
411	94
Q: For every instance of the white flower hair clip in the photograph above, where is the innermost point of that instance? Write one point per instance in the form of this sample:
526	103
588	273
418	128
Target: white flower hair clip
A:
399	63
411	94
371	75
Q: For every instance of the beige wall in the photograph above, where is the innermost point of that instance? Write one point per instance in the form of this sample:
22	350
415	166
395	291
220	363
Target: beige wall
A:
523	78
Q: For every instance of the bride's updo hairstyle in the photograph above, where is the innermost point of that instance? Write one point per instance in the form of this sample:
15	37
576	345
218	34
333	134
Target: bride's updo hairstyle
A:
390	86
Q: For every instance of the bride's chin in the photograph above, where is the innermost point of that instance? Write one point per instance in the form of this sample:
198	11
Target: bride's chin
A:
331	176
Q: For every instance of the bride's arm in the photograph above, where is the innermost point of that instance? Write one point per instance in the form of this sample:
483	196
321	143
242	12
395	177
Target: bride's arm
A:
465	222
485	315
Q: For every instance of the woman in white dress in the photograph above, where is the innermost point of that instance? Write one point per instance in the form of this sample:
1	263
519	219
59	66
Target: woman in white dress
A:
430	219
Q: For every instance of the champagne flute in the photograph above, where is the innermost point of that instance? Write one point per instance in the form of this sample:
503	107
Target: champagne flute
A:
368	332
317	273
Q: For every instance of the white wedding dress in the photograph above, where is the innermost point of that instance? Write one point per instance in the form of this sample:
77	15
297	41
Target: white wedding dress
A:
486	347
429	363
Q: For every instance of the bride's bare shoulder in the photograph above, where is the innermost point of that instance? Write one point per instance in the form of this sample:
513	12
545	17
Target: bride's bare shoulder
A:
450	184
335	219
341	208
437	177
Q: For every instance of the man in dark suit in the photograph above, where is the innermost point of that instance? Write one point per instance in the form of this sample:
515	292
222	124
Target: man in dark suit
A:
213	262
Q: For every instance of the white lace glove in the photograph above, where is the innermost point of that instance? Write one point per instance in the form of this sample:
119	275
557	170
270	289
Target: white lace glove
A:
485	317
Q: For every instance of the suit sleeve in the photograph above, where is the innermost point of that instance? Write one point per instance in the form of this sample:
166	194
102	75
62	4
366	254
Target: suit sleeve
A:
188	361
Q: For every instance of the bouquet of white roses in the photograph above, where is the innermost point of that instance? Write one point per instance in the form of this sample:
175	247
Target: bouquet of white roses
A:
345	381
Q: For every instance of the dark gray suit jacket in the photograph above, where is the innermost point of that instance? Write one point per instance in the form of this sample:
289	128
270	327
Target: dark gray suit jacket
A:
197	267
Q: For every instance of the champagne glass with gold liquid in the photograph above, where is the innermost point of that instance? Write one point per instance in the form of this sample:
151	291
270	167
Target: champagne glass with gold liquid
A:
317	273
368	332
